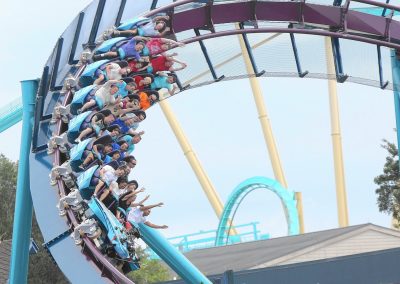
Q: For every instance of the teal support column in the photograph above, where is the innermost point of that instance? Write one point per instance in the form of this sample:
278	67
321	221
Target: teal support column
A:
176	260
23	201
396	92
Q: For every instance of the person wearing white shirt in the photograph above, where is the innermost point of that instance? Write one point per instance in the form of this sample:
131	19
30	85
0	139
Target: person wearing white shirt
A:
138	214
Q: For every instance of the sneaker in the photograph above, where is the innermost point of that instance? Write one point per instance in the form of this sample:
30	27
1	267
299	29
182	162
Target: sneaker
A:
77	140
82	167
62	212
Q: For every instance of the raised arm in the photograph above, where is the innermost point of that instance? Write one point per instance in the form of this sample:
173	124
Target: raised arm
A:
140	202
165	31
142	38
172	42
154	226
172	91
160	204
133	193
182	64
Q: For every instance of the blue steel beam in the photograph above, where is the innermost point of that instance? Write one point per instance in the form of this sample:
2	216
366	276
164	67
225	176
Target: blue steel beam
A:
337	2
396	92
71	58
381	81
23	201
40	99
56	64
120	12
96	23
177	261
207	57
385	9
337	56
296	57
10	114
153	4
250	53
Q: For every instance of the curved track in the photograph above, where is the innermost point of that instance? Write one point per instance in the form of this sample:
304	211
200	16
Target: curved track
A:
299	17
239	193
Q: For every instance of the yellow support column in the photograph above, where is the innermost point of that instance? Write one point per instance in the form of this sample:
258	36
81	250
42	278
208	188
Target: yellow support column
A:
299	206
336	139
266	126
194	162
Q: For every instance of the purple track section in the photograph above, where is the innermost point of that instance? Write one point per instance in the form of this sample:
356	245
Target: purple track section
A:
331	20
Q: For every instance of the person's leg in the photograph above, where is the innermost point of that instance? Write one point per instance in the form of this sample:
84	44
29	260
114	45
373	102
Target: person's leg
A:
89	104
83	134
99	80
107	55
99	185
89	158
127	33
105	193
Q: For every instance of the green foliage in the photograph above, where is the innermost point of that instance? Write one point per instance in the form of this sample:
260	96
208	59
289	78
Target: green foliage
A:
8	181
388	182
42	270
151	270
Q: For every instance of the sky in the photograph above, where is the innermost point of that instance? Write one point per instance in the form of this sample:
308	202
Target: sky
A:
220	121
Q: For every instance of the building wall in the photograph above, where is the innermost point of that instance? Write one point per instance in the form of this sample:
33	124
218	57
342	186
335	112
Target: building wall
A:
379	267
367	241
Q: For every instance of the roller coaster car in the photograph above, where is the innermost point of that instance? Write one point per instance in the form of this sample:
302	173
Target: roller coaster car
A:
133	23
81	97
122	241
87	76
87	181
110	44
79	152
79	123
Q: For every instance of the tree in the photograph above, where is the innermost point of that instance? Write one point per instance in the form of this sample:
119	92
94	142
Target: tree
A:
389	183
8	182
41	267
151	270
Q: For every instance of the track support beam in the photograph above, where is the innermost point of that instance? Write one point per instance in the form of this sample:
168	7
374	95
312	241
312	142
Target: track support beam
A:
296	57
396	91
249	53
23	202
383	83
208	59
336	139
337	56
263	115
194	162
71	58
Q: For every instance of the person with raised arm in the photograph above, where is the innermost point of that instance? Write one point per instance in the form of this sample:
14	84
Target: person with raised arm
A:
139	213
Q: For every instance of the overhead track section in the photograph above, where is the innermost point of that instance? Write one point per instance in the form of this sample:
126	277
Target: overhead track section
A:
10	114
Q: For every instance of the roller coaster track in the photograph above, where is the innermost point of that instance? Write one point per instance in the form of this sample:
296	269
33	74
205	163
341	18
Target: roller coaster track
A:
336	21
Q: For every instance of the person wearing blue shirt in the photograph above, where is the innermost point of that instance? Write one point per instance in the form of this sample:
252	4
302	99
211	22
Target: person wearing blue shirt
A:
164	81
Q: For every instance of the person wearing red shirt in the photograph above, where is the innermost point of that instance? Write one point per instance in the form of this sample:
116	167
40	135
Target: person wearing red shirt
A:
165	62
158	45
142	82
